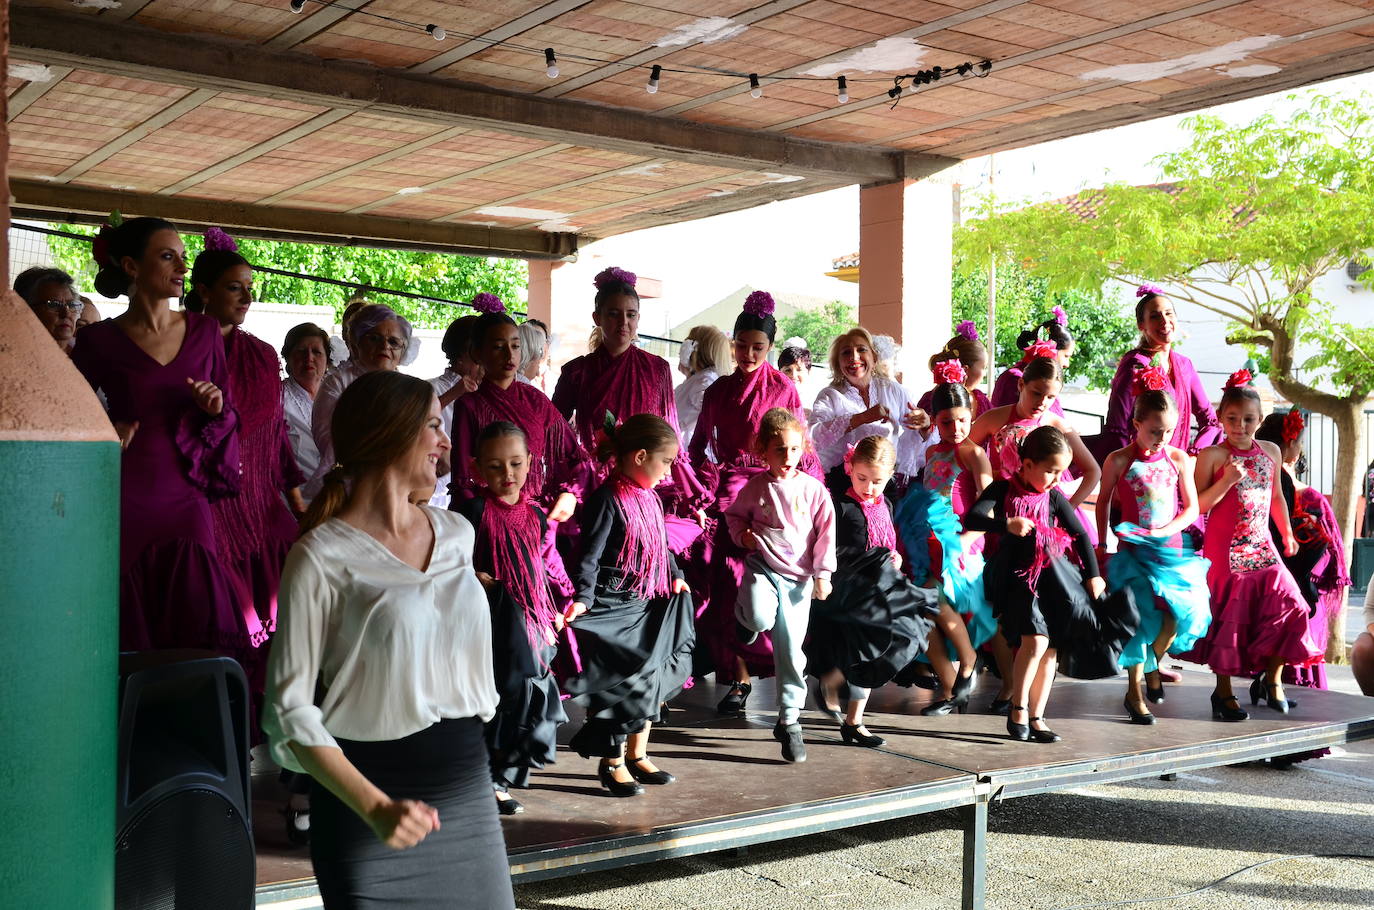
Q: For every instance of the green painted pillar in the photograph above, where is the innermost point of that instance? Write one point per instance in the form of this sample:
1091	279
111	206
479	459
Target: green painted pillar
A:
59	597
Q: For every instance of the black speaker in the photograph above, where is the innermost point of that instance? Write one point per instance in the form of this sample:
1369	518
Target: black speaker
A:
185	837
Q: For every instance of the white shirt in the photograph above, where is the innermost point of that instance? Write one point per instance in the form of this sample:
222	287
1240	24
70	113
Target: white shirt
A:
833	407
687	398
441	384
298	406
397	649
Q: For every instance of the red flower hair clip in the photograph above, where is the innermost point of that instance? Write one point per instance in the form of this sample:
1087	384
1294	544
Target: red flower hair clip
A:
1038	349
949	371
1239	379
1292	426
1150	378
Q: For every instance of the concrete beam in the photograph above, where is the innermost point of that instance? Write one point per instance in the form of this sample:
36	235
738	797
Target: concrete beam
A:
58	202
128	49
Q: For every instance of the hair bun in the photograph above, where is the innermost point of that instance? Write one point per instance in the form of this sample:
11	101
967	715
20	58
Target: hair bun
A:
112	281
614	275
760	303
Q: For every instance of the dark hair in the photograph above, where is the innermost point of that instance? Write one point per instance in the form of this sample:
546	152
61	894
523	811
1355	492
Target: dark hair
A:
1271	430
793	355
775	422
968	350
458	337
208	268
748	322
1059	334
1153	401
950	395
375	422
483	326
642	431
1042	442
1141	304
606	291
129	239
31	279
498	429
299	333
1239	395
1042	368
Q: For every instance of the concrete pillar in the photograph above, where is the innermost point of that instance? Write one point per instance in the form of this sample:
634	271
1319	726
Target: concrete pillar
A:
556	298
906	266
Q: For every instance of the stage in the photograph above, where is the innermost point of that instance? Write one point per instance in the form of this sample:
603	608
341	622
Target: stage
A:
734	790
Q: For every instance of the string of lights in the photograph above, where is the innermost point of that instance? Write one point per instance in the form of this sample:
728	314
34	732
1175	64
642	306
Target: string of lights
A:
656	71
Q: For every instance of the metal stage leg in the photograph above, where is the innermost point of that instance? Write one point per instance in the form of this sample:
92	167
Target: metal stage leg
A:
975	818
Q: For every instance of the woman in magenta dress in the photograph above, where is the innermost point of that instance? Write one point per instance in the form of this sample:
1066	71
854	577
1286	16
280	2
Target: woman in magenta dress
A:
1259	619
255	529
622	380
1155	364
560	469
1051	339
163	373
721	452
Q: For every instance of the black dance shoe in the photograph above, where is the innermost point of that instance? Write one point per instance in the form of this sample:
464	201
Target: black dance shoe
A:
1258	694
941	708
852	737
1000	706
1018	732
823	705
963	687
790	735
735	700
297	825
1222	711
1143	718
614	786
1043	736
509	807
1154	695
644	775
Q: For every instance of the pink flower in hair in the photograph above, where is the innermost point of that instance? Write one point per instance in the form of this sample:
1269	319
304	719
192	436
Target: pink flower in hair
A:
967	329
1145	290
1038	349
217	239
1060	317
849	455
949	371
1152	378
488	303
759	303
612	275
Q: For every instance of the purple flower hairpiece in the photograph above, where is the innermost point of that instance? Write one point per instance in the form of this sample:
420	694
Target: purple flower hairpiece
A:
967	329
217	239
1145	290
488	303
759	303
612	275
1059	316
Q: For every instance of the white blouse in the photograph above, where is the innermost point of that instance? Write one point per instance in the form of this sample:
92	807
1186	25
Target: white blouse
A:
339	378
441	384
298	406
397	649
833	407
687	398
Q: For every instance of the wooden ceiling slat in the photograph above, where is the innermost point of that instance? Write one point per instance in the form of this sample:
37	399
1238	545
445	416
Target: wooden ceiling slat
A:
32	91
314	125
515	27
519	159
188	103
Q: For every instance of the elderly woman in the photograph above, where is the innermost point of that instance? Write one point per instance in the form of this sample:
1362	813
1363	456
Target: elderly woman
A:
306	352
534	353
380	340
860	401
52	296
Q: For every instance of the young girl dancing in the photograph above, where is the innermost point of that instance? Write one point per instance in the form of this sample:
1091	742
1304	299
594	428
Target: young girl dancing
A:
876	621
1047	616
528	590
956	471
785	520
631	614
1151	482
1259	620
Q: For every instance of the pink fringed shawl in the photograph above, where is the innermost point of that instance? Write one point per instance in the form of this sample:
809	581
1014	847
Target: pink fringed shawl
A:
644	554
511	536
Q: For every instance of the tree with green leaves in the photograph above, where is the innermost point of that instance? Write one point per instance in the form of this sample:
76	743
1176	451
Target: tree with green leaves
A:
819	326
440	275
1252	216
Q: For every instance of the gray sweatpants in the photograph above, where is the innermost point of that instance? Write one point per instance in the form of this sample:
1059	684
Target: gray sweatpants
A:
769	601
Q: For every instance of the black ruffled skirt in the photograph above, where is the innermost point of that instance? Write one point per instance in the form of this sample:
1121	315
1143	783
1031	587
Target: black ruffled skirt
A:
873	624
523	734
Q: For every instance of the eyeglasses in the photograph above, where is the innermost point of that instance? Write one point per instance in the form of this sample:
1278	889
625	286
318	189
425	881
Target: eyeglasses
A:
392	342
57	306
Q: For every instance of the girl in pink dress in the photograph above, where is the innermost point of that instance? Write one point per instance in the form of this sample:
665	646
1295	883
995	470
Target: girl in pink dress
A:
972	355
1259	620
1152	484
1050	338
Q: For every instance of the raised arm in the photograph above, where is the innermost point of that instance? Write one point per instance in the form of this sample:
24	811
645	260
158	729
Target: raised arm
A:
1087	468
1111	473
1187	495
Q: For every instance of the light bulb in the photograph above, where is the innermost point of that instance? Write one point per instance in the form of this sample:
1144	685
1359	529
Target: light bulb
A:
297	5
652	87
844	91
551	61
754	88
438	33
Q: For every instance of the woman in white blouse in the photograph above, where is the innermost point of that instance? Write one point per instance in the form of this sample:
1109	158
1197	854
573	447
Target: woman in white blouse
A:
704	353
862	401
306	353
381	608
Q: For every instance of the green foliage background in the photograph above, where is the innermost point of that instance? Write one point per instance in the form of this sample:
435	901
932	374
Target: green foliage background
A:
819	327
435	274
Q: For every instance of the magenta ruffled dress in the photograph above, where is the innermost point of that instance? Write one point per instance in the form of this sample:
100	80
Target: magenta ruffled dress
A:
1257	610
176	588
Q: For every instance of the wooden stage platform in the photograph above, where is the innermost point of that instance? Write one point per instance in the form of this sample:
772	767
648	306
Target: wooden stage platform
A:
734	790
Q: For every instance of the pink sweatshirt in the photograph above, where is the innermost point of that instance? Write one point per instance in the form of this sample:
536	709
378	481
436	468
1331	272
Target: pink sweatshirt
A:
793	520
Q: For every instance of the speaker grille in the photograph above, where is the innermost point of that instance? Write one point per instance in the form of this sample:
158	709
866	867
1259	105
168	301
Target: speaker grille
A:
188	851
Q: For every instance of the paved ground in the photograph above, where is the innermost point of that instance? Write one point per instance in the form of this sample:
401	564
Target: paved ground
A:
1087	847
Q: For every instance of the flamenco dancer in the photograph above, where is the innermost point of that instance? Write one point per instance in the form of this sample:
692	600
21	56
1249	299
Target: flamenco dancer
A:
1057	344
529	590
631	615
